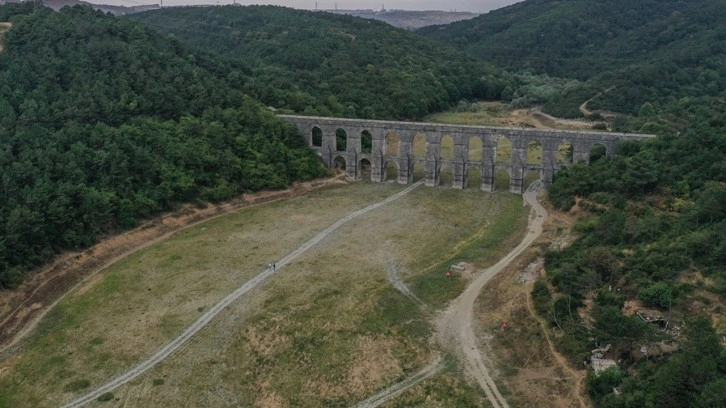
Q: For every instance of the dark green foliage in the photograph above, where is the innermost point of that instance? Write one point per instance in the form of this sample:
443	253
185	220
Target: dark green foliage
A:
658	295
564	311
329	64
693	377
657	211
104	123
642	52
106	396
684	378
609	298
611	326
599	385
541	297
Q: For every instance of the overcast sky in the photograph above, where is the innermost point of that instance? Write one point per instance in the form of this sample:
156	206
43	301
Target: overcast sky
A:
477	6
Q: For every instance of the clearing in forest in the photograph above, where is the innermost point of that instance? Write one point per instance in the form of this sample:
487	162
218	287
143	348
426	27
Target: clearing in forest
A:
328	329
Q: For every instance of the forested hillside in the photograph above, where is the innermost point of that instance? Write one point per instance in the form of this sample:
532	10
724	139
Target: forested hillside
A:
646	51
104	122
652	230
328	64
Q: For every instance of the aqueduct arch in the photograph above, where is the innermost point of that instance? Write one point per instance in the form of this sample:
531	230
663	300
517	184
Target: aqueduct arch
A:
419	145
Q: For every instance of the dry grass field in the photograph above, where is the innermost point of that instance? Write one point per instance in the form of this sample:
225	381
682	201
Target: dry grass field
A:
327	330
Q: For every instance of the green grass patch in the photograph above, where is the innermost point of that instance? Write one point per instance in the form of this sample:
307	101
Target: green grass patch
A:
503	234
77	385
396	314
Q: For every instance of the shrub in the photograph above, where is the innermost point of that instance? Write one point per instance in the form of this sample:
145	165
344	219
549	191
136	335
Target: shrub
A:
658	295
541	297
106	396
599	385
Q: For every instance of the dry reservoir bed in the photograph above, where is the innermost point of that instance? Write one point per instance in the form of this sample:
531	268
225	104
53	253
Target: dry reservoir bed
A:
327	330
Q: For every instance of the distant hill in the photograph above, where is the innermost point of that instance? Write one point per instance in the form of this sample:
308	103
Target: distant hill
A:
106	8
332	64
410	20
649	50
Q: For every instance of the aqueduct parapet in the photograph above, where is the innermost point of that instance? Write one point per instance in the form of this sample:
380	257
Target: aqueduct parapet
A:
460	161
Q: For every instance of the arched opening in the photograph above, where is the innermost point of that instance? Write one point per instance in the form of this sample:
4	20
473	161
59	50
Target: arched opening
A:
534	153
390	171
339	163
565	152
501	180
475	149
530	177
446	148
446	176
473	177
392	143
597	152
419	146
317	137
364	170
366	142
341	140
418	172
504	151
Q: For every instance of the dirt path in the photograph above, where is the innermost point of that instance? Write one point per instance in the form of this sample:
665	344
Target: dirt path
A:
454	325
586	112
400	285
546	120
207	317
576	377
23	307
395	390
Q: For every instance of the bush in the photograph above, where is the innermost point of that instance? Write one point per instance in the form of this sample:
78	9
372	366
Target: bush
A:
599	385
658	295
106	396
541	297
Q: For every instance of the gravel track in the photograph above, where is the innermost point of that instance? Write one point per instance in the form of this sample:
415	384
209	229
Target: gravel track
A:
455	324
395	390
204	320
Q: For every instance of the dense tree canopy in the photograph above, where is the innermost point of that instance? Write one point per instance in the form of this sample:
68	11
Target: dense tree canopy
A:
654	216
643	51
329	64
104	122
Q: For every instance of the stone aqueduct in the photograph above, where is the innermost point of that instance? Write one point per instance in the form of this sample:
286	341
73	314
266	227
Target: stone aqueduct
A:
393	142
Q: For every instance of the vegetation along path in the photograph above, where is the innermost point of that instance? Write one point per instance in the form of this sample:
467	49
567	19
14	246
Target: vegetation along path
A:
207	317
455	323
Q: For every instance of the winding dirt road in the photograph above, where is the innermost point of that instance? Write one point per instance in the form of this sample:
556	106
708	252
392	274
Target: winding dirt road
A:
454	325
207	317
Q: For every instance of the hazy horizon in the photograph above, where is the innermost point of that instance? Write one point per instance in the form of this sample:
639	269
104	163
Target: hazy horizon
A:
475	6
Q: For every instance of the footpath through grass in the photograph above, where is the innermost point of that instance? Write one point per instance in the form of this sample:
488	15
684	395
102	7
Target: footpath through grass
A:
326	330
